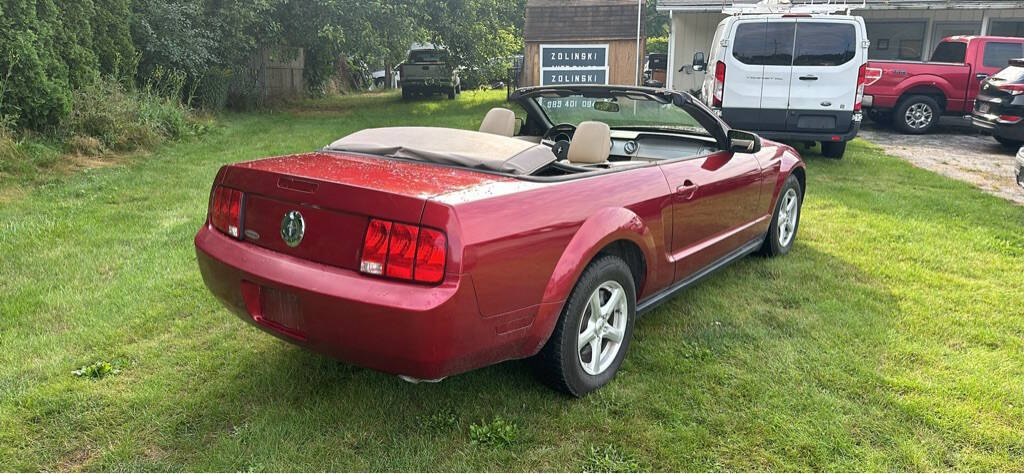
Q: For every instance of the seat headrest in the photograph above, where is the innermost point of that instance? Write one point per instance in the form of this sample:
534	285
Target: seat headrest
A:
591	143
499	121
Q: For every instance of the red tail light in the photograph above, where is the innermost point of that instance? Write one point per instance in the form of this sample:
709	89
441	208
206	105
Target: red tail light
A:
226	211
719	91
861	82
872	75
404	251
1013	89
1010	118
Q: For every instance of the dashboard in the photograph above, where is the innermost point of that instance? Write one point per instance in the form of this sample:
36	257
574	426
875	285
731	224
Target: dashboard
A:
652	146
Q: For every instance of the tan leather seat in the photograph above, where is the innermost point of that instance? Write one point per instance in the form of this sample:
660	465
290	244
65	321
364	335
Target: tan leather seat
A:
591	143
499	121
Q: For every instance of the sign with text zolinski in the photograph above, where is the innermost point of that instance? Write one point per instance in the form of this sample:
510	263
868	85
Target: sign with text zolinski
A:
573	64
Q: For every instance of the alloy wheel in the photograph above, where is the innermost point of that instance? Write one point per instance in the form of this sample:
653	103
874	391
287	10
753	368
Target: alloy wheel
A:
602	327
789	213
918	116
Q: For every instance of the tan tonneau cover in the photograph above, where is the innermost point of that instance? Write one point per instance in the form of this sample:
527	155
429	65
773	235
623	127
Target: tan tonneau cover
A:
450	146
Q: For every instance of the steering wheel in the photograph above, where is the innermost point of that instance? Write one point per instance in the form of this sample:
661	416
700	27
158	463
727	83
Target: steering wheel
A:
560	132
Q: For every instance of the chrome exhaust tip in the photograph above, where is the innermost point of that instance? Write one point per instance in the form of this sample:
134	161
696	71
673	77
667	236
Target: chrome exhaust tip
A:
415	380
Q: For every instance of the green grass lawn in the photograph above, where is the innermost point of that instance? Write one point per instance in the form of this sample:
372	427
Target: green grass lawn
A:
891	338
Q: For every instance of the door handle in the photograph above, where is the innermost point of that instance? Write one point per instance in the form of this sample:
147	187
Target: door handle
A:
808	78
981	76
687	190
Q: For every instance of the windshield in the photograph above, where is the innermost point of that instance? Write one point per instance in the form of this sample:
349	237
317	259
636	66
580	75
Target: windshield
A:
426	56
618	112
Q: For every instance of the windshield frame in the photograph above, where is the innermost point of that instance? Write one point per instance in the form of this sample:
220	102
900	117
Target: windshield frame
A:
711	123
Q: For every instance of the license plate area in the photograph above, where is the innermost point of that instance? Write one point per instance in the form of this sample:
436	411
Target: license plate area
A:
275	309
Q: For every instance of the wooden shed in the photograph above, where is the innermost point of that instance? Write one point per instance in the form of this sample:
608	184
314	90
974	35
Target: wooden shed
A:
583	42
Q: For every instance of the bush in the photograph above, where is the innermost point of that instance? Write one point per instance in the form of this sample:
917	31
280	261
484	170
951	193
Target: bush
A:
124	120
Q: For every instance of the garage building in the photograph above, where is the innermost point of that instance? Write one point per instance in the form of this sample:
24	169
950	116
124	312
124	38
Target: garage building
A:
898	29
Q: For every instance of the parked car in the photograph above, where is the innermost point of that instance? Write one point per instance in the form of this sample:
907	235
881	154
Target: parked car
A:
655	70
912	95
429	71
999	108
428	252
789	76
1020	167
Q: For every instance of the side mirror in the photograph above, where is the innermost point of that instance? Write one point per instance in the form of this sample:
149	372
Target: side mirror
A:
744	142
699	63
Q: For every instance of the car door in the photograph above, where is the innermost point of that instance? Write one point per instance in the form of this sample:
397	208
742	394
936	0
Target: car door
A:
714	203
826	61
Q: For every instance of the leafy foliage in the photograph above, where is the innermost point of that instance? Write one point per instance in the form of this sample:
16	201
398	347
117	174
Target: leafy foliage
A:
96	370
496	433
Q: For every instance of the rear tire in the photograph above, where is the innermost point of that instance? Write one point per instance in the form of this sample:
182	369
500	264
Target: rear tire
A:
406	94
451	93
785	220
600	311
1008	143
916	114
833	149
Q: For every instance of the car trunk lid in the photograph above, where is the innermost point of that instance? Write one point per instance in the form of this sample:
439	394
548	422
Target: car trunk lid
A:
336	195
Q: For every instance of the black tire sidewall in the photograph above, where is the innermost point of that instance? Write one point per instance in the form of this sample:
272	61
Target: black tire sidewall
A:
900	116
597	273
772	246
834	150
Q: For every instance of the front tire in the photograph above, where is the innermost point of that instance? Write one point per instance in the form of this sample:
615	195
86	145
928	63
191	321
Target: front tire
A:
917	114
785	220
592	334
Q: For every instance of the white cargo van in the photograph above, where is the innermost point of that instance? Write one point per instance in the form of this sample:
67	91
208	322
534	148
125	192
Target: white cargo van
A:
792	76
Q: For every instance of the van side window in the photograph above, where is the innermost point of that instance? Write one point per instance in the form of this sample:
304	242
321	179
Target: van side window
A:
1000	54
764	44
950	52
824	44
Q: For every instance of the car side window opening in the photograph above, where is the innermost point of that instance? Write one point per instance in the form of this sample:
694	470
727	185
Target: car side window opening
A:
950	52
999	54
764	44
824	44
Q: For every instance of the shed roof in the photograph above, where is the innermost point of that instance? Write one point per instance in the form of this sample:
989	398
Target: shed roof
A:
716	6
571	20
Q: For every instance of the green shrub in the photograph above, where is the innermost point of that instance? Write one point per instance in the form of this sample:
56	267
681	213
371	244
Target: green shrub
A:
124	120
96	370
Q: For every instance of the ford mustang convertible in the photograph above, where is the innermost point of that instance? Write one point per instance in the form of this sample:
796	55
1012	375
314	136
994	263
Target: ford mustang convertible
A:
426	252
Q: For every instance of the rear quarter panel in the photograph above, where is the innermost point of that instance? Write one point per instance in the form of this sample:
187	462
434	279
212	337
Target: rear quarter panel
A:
899	78
545	233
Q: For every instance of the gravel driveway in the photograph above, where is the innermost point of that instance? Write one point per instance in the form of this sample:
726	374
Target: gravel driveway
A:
953	149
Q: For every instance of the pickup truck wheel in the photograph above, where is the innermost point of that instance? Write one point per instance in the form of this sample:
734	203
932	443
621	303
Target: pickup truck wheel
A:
593	333
785	220
833	149
916	114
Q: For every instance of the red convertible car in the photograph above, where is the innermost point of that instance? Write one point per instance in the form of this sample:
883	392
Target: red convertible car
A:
426	252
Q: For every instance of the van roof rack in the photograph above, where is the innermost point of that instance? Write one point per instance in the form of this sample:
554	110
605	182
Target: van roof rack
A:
788	7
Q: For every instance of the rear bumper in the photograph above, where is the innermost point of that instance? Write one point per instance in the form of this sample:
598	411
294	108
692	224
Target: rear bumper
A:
989	124
814	136
426	332
428	84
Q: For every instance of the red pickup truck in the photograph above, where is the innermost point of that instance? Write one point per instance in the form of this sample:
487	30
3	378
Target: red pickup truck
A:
914	94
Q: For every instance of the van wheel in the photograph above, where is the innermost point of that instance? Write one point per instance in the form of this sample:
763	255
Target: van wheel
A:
833	149
593	333
916	114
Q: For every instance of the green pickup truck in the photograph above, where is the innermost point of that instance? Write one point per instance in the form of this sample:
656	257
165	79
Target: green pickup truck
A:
429	71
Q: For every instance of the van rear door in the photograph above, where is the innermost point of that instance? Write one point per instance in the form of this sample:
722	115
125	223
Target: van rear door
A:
757	79
826	60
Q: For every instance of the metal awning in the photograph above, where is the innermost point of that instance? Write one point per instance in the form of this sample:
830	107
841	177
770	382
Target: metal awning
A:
718	6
